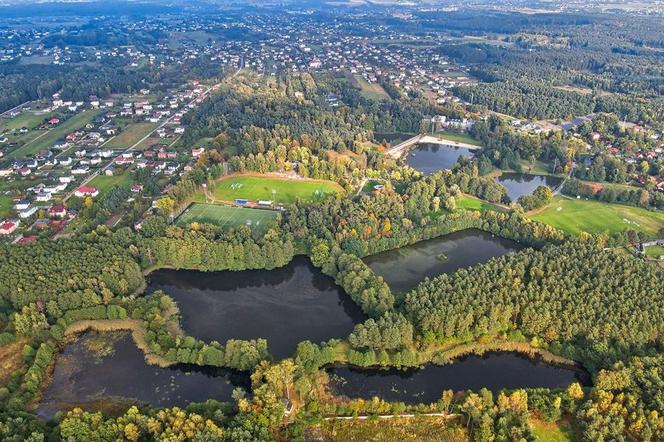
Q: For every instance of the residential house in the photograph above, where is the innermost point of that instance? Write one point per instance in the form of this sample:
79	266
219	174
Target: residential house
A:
84	191
8	227
27	213
57	211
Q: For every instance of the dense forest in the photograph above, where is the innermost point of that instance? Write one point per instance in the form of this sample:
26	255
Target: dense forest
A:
535	63
579	300
254	116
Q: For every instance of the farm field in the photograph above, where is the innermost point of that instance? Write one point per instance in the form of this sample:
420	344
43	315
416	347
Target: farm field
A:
131	134
228	216
46	139
150	141
279	190
105	183
458	137
578	215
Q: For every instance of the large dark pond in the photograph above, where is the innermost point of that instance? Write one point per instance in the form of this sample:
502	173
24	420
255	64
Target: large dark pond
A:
519	184
494	371
100	371
406	267
285	305
431	158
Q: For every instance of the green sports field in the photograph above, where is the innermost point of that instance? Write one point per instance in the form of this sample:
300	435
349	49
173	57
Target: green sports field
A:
227	216
279	190
578	215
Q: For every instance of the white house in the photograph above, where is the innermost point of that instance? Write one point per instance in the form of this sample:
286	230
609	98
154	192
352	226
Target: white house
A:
27	213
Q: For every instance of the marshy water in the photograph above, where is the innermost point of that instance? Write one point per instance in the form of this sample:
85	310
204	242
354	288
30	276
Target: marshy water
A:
102	371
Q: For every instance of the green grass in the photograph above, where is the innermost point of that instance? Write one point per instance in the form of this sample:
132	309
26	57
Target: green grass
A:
279	190
458	137
578	215
552	432
371	184
47	139
420	429
469	202
654	251
105	183
131	134
371	91
228	216
26	119
6	203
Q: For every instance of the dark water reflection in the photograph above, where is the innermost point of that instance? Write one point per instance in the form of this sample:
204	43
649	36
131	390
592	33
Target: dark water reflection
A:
406	267
285	305
101	370
431	158
494	371
519	184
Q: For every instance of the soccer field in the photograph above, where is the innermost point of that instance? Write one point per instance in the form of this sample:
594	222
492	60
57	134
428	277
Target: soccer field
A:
577	215
279	190
228	216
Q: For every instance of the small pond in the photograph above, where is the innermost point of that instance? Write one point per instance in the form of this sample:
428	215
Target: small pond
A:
519	184
494	371
406	267
431	158
285	305
100	371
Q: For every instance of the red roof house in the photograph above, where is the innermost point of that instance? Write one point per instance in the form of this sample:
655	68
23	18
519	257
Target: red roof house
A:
84	191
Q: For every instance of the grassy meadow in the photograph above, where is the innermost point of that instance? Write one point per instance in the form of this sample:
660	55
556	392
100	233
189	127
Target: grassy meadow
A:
580	215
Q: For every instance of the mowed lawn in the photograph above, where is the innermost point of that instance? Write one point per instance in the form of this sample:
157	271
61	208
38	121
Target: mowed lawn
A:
654	251
26	119
131	135
458	137
104	183
578	215
278	190
228	216
47	139
6	204
371	91
469	202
